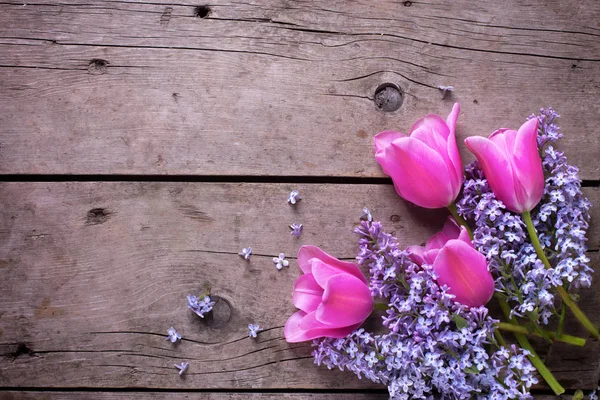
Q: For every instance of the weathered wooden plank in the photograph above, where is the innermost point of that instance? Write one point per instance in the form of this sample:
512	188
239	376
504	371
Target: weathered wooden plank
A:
278	88
92	275
17	395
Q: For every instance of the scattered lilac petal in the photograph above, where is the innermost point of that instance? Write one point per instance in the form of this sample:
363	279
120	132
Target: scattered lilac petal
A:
366	215
280	261
246	253
253	330
182	367
296	230
294	197
173	335
445	90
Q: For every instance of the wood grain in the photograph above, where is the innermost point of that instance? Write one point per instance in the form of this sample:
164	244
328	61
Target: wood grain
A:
14	395
93	274
277	87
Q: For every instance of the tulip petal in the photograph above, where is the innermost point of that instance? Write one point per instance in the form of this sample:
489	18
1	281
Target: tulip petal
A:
496	168
382	142
306	253
322	272
452	147
464	270
416	254
346	301
450	230
464	236
431	122
385	138
294	333
307	293
528	164
420	174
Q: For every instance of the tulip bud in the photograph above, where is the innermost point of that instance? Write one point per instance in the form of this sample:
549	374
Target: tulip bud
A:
333	297
457	264
512	165
425	166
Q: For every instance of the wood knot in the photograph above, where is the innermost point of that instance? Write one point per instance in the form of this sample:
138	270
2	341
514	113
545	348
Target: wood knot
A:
388	97
202	11
97	216
97	66
395	218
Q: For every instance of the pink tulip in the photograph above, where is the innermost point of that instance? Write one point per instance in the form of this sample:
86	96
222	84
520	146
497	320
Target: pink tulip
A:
333	297
512	165
425	166
457	264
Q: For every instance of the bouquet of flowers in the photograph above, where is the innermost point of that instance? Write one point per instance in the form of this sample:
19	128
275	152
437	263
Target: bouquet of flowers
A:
516	234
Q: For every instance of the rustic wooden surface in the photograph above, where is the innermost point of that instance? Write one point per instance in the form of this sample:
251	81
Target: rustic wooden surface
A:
128	129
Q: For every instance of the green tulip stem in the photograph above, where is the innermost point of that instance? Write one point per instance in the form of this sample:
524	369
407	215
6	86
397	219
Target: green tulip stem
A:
533	357
459	219
574	340
577	312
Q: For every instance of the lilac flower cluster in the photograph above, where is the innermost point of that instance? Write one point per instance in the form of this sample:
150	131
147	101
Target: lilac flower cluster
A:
200	305
561	220
434	347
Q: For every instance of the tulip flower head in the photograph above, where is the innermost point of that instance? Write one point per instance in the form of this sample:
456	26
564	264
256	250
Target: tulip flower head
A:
333	297
457	264
512	165
425	166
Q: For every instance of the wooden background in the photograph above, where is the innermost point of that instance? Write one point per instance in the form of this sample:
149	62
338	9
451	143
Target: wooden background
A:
144	143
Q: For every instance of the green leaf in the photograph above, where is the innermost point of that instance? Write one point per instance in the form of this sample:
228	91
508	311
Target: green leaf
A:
471	370
578	395
460	321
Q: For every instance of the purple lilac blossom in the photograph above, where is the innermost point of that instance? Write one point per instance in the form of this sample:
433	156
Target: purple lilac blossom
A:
246	253
182	367
253	330
200	305
296	230
173	335
434	348
294	197
280	261
561	220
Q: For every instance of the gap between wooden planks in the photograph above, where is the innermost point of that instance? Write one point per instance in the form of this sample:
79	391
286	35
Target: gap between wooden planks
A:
94	273
280	89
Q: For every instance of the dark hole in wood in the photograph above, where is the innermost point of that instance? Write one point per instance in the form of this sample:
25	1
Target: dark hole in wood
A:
202	11
97	66
475	101
21	350
388	97
407	3
97	216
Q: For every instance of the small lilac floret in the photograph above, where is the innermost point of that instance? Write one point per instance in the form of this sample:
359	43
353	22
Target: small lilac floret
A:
296	230
246	253
182	367
280	261
253	330
366	215
294	197
173	335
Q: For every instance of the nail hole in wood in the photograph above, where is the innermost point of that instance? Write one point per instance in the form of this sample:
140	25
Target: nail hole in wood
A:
202	11
97	66
388	97
407	3
97	216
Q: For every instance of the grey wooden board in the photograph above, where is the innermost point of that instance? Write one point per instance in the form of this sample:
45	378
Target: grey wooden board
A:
92	275
14	395
278	87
